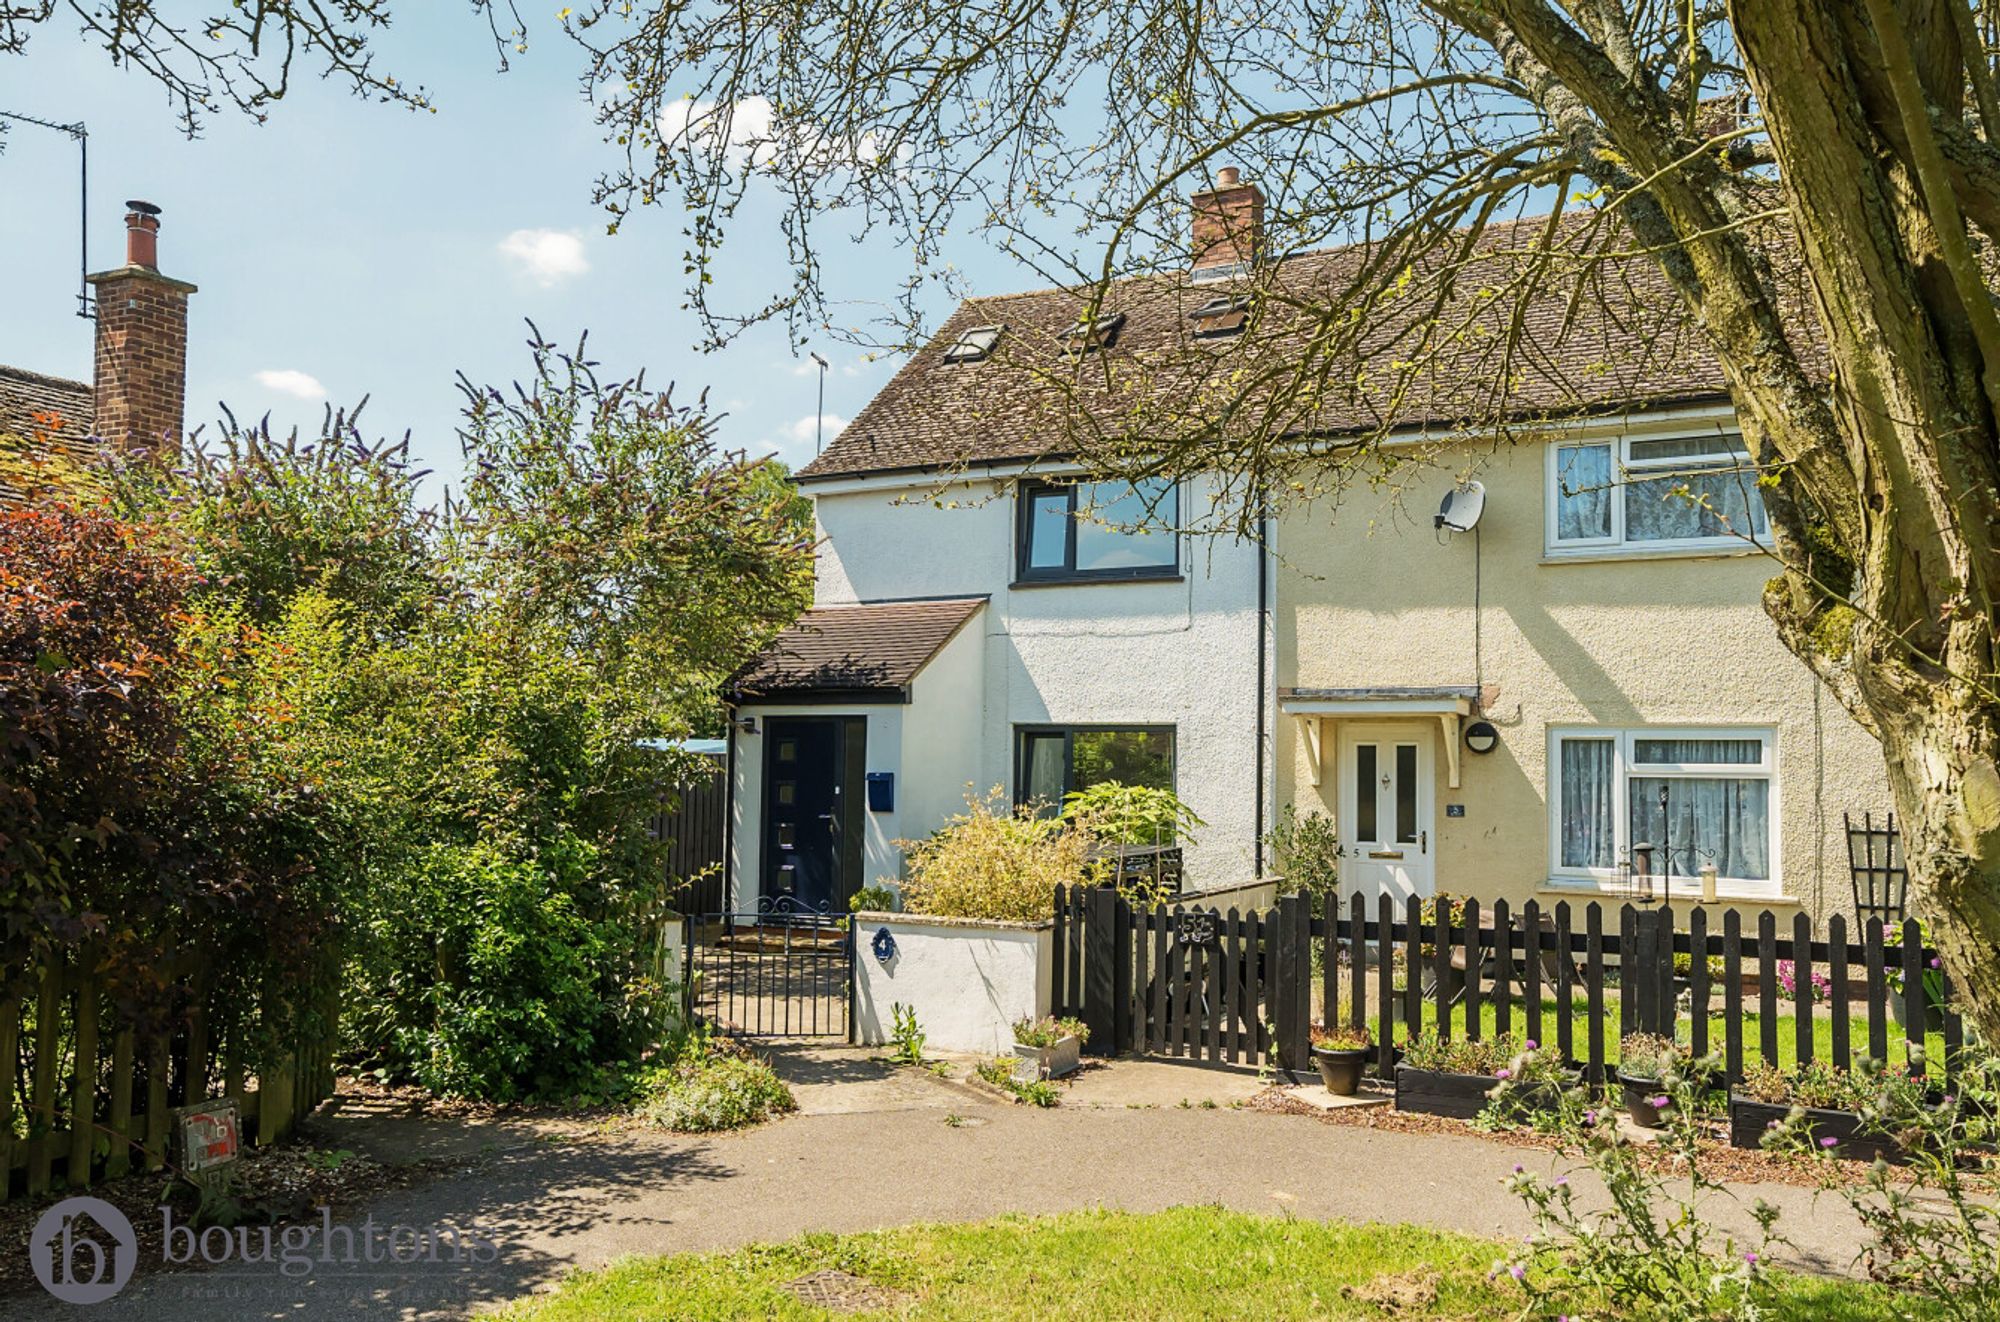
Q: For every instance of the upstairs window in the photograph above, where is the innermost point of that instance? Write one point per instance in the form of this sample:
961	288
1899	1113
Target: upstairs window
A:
1092	333
1653	493
1099	530
1220	317
974	345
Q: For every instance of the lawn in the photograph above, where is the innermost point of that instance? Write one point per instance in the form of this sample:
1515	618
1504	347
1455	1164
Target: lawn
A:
1752	1028
1189	1262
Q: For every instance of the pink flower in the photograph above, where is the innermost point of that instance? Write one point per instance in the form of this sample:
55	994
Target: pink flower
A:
1517	1168
1657	1102
1750	1258
1502	1074
1829	1142
1561	1180
1531	1044
1936	963
1517	1271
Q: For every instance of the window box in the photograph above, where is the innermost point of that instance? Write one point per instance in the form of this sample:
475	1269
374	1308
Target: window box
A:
1652	495
1720	806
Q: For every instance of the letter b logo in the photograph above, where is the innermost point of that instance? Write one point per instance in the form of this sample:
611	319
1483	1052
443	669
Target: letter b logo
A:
83	1250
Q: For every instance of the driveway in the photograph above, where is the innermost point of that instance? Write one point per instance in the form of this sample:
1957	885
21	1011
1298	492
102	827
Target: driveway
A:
873	1148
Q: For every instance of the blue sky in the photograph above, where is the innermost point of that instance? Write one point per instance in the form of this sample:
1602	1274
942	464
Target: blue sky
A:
361	249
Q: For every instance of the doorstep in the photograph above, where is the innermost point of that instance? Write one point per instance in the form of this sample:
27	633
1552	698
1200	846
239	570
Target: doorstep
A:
1315	1095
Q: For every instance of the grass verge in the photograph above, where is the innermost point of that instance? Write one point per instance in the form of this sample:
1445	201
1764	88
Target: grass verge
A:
1187	1262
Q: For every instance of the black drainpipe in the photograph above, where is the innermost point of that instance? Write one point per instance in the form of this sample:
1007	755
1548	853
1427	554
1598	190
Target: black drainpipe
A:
1263	630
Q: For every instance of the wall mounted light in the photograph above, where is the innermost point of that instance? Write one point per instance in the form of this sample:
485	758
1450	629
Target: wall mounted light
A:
1481	737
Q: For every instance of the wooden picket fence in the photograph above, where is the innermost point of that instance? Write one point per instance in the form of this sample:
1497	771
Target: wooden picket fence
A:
90	1095
1230	986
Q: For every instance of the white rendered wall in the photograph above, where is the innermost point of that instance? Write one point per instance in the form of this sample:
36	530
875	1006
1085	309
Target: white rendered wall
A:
1181	653
967	980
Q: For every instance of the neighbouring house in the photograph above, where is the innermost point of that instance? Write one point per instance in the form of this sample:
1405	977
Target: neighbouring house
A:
1581	683
136	400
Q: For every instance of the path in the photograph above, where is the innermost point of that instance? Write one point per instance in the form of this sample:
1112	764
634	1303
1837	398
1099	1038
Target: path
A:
880	1148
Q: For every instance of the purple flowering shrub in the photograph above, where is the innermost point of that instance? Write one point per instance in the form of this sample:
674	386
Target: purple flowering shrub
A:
1819	988
1932	1225
1645	1249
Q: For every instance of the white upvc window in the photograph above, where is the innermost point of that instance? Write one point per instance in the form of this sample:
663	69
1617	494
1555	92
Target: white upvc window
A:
1697	795
1650	494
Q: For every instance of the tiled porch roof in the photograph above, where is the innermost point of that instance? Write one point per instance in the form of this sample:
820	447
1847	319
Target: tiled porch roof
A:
871	651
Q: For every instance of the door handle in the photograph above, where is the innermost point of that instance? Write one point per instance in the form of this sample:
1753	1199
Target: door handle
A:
1423	842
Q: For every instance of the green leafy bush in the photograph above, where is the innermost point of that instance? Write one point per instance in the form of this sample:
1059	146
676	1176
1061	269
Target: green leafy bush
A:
712	1088
907	1036
1122	814
877	898
1000	1073
995	861
1305	848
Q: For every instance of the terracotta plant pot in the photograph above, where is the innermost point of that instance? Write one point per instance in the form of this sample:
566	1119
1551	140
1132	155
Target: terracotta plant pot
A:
1341	1068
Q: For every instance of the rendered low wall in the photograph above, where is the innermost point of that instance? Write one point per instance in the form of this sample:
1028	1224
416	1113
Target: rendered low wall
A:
1242	895
968	979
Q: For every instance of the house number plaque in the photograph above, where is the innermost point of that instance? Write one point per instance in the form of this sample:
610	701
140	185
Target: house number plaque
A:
1195	929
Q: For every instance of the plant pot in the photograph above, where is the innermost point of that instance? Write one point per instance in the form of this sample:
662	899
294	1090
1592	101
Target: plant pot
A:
1639	1093
1750	1119
1899	1007
1341	1069
1436	1092
1033	1064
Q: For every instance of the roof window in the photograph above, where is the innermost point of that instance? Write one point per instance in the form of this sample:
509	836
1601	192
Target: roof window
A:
1219	317
1093	333
974	345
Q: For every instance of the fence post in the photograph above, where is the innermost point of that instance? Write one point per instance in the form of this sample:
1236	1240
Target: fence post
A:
1121	974
1293	1009
1100	994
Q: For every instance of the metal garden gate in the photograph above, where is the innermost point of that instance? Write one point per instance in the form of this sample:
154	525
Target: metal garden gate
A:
780	972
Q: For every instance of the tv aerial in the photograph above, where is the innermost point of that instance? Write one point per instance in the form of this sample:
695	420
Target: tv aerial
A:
81	136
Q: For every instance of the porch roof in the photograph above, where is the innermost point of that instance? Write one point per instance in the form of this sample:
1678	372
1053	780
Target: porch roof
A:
1380	699
870	652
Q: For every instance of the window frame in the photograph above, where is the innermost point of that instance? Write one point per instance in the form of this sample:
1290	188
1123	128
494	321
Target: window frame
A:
1624	769
1025	732
1026	573
970	348
1625	470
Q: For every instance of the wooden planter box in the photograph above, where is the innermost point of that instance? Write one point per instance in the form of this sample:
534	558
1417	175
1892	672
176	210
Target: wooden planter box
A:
1435	1092
1033	1064
1750	1118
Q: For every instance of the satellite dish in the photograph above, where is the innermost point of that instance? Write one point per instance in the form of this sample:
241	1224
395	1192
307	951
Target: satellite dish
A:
1462	508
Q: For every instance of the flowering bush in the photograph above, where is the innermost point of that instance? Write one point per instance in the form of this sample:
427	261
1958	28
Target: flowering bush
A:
1651	1251
1817	990
1934	1228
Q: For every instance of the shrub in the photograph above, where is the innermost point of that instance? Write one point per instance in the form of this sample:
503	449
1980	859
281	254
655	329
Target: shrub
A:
1046	1032
1306	849
711	1088
1132	814
907	1036
1646	1056
878	898
992	861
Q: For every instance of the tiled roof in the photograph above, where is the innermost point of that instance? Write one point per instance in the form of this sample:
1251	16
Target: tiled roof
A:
24	394
866	650
1596	333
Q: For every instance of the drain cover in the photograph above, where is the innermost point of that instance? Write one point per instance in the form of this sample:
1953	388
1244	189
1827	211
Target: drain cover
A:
841	1292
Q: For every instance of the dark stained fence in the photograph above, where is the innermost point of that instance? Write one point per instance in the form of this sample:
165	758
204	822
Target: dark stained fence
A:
1236	987
694	831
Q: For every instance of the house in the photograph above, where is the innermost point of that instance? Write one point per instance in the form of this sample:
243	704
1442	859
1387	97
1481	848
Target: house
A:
1580	685
137	398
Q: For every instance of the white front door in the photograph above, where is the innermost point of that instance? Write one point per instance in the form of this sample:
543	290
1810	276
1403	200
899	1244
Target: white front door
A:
1385	810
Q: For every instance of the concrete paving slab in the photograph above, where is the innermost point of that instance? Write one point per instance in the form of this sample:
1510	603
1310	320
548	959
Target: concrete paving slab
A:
1146	1083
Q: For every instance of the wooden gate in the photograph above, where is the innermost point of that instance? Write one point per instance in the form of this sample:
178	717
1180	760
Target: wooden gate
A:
1219	985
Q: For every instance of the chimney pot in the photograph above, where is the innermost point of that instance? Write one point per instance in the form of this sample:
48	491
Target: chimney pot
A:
142	235
1228	177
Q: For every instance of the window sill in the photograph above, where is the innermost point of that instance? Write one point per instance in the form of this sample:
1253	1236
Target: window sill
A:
1691	894
1592	555
1098	580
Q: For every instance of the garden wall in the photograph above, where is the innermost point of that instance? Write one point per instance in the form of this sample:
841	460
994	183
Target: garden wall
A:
968	979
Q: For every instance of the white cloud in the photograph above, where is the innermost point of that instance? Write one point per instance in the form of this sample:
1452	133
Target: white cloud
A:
290	381
548	257
808	427
750	134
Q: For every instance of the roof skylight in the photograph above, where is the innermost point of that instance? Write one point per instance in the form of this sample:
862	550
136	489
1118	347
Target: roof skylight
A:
1093	333
1219	317
973	345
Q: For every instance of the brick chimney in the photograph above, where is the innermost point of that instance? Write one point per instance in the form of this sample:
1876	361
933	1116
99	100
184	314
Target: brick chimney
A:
141	367
1228	224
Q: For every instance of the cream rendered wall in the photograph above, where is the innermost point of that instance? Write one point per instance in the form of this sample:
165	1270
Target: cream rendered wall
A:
966	979
1369	594
1179	653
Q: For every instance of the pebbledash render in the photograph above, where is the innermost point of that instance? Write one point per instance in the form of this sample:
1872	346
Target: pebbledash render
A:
1530	705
